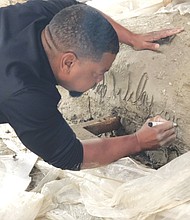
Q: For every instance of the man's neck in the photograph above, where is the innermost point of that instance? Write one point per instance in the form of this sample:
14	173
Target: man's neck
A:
50	50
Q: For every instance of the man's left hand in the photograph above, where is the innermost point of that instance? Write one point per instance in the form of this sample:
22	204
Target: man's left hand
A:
147	41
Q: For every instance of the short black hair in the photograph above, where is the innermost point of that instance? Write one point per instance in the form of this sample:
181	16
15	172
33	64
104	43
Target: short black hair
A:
84	31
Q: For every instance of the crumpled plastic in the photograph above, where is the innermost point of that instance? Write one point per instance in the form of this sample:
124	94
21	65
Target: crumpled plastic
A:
20	205
183	8
122	190
119	191
16	167
14	179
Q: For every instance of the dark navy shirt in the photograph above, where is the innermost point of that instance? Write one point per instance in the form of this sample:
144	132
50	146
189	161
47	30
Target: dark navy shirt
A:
28	93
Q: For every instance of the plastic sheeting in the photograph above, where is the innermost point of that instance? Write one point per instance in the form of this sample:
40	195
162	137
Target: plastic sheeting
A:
16	167
14	179
183	7
122	190
20	205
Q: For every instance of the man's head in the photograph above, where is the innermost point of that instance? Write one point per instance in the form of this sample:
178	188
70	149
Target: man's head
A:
82	45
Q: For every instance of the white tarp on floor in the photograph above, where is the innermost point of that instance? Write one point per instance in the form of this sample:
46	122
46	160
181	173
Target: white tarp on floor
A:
121	190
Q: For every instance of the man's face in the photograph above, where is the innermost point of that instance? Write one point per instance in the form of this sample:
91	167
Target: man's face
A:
85	74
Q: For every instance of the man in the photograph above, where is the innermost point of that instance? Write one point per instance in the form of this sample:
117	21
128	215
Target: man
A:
42	46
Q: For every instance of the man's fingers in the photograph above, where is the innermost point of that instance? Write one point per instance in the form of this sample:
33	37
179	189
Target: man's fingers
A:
156	35
168	140
167	136
169	32
149	46
169	133
152	40
167	126
159	119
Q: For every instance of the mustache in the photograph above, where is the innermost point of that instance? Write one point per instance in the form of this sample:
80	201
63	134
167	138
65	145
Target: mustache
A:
78	94
75	93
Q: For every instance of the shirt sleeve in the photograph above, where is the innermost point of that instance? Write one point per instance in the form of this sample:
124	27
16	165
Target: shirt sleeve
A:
50	7
34	116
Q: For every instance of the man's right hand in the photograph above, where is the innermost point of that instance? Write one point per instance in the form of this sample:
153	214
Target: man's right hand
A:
102	151
150	138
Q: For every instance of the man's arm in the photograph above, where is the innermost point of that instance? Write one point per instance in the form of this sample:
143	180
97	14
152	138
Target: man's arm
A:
32	112
141	41
102	151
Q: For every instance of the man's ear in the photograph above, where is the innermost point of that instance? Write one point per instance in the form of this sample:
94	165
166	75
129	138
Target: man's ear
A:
67	61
